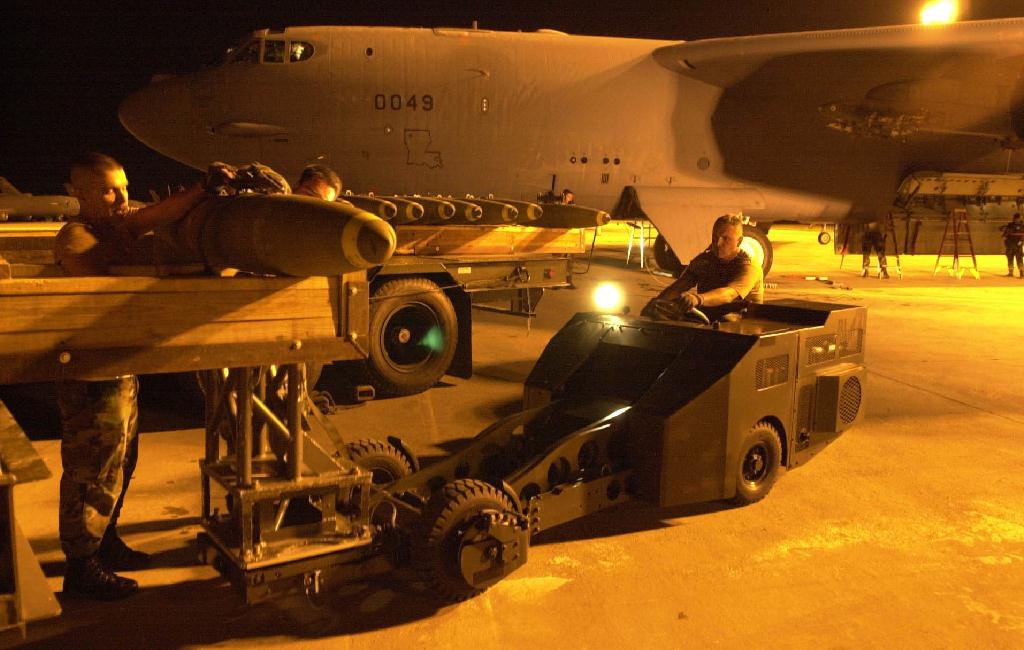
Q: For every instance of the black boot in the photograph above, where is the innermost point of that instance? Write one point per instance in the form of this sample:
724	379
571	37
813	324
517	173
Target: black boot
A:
88	577
116	555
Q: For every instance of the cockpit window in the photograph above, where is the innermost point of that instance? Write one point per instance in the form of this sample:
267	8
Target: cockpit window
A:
273	52
300	51
248	53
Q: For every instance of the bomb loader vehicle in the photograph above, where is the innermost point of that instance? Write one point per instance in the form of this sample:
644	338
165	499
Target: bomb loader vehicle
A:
616	409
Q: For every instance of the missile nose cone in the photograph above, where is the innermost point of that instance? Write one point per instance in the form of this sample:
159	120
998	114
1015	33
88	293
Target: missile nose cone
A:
368	240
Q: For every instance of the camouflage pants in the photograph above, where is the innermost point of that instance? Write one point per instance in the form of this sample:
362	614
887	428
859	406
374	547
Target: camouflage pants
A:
879	248
98	451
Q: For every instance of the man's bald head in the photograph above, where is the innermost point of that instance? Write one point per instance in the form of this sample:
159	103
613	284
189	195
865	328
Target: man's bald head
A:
100	185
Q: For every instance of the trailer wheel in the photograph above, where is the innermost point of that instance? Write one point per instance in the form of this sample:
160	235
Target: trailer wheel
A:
665	257
385	462
452	525
759	462
413	335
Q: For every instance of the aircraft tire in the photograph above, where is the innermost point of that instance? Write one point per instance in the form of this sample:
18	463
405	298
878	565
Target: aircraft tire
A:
665	257
824	237
445	527
758	465
413	336
757	245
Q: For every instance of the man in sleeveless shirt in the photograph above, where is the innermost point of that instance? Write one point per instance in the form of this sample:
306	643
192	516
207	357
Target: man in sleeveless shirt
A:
99	446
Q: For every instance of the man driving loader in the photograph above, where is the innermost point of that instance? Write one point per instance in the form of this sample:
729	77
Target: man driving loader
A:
714	280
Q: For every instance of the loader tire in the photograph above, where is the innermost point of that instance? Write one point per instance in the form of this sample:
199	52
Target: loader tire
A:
758	465
445	524
385	462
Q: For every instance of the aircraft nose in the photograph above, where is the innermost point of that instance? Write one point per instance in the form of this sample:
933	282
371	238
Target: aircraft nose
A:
164	116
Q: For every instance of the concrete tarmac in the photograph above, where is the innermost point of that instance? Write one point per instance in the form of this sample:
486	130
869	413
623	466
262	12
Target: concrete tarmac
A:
907	532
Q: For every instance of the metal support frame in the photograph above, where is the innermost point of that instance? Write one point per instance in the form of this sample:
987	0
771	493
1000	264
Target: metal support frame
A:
290	516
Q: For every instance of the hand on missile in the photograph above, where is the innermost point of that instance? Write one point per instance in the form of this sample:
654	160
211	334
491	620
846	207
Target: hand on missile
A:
690	300
219	179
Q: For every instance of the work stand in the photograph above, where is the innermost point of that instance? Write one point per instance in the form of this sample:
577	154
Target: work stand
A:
284	508
956	234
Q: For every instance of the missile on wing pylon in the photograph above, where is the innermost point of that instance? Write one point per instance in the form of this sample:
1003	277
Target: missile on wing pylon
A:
436	209
284	235
495	212
465	211
409	211
560	215
384	209
528	212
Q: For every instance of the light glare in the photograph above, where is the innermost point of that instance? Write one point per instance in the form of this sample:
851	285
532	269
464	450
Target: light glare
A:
608	297
940	12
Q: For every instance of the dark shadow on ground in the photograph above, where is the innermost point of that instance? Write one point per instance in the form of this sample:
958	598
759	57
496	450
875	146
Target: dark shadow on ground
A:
46	545
512	371
209	612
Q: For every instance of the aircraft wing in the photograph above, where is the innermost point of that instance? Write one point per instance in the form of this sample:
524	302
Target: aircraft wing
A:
847	114
724	62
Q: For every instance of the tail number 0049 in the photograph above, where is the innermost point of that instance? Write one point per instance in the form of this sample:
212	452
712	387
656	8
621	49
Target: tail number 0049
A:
397	102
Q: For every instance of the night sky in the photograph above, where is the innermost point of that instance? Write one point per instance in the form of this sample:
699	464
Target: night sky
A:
66	66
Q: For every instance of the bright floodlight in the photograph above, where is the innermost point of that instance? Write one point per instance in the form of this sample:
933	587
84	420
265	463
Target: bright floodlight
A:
608	297
940	12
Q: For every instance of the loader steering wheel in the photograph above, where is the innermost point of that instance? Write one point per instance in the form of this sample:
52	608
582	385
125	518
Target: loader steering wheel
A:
661	309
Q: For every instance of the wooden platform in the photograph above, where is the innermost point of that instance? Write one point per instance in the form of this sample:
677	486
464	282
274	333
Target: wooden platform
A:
93	328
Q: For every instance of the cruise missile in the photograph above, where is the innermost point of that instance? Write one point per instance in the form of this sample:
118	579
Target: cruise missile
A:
496	212
527	211
435	209
466	210
560	215
409	211
283	234
386	210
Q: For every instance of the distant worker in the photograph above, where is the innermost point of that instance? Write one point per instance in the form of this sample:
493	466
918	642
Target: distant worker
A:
99	443
1013	243
319	181
873	239
717	280
568	198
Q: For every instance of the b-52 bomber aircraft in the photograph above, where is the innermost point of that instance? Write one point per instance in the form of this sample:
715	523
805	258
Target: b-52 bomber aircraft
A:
16	205
817	127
